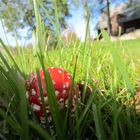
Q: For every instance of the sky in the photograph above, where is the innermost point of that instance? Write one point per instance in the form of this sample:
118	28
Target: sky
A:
8	38
76	22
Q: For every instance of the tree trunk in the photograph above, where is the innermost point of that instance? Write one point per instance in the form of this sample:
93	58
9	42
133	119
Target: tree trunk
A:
108	16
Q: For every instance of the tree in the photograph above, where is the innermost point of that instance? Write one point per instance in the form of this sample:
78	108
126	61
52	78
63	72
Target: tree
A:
95	7
19	14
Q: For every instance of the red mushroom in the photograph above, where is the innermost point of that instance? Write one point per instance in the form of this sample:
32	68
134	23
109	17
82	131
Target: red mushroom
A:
61	81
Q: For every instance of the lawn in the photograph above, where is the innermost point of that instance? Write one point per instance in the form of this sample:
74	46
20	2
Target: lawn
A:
108	71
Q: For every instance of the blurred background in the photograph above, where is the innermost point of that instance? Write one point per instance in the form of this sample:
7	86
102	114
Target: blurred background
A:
120	18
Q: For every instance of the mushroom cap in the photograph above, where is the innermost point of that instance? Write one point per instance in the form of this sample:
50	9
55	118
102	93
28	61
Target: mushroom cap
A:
61	81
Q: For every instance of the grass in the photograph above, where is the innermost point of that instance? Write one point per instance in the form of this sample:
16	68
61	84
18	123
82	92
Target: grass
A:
111	69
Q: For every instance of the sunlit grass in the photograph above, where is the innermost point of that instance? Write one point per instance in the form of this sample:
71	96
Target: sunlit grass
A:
111	69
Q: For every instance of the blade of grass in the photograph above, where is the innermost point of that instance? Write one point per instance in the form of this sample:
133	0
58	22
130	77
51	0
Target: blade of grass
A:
8	108
48	82
2	137
52	101
20	54
85	42
23	112
11	122
98	125
5	33
118	62
10	56
86	79
20	91
39	30
83	114
42	100
65	130
116	112
122	70
43	133
56	26
58	31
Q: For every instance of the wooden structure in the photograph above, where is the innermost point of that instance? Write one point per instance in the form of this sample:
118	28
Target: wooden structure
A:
123	20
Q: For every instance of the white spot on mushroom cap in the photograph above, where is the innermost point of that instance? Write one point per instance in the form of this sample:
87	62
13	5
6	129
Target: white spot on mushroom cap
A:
69	77
31	78
33	92
75	96
60	71
35	107
64	92
61	100
57	92
64	86
67	84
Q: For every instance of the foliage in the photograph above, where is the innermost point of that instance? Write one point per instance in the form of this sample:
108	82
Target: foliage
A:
110	69
19	14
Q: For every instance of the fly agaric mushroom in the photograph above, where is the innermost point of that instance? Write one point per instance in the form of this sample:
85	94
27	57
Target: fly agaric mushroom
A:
61	81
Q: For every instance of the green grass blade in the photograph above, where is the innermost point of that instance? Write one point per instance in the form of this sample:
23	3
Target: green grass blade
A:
85	44
20	54
56	26
11	122
39	30
3	27
118	62
2	137
20	91
23	112
65	130
43	133
83	114
86	109
10	56
42	100
52	101
98	124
